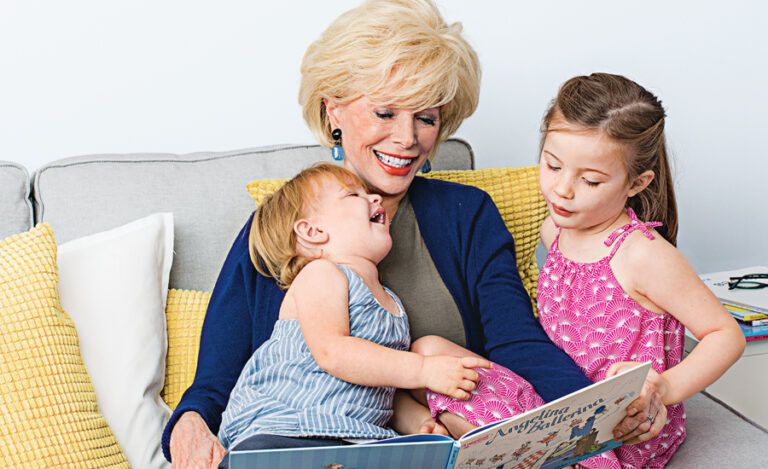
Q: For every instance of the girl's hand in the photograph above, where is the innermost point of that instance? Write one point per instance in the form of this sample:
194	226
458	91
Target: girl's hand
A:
429	426
193	444
452	376
646	415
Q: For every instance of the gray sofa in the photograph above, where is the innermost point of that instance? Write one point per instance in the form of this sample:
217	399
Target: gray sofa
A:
206	193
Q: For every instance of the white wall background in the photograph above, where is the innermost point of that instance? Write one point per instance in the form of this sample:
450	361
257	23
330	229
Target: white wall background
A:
88	76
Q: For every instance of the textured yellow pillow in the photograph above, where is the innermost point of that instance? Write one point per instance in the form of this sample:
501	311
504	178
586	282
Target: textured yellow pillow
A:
48	411
184	312
515	191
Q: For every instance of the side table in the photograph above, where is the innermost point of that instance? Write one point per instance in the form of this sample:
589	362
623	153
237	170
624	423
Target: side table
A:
744	387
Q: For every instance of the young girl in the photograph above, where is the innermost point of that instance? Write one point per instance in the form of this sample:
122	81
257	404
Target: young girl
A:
340	346
614	289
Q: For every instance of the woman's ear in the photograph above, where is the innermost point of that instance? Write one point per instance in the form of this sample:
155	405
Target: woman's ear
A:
333	109
310	238
641	182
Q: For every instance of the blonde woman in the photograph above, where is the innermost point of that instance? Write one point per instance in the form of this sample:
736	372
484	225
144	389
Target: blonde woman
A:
383	86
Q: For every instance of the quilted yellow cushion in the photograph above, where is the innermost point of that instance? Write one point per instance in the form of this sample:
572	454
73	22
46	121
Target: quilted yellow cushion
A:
48	411
185	312
515	191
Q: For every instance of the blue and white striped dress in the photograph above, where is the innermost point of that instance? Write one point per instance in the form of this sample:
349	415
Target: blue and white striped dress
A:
282	390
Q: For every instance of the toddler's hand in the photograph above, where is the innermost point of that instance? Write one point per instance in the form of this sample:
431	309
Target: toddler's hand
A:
452	376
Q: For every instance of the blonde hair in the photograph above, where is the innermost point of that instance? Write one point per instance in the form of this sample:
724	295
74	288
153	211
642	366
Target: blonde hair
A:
272	241
634	118
398	53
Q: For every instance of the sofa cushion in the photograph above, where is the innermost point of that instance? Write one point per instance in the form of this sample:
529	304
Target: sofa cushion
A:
48	411
15	207
83	195
719	437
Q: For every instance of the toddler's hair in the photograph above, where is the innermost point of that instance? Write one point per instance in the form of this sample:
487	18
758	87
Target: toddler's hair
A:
272	241
632	116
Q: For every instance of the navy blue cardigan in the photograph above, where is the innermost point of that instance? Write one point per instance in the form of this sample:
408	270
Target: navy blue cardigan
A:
474	255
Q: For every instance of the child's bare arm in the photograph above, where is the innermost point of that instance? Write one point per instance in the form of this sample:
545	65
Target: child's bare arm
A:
667	279
319	294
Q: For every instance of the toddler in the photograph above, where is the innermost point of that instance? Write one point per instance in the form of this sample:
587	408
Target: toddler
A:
340	346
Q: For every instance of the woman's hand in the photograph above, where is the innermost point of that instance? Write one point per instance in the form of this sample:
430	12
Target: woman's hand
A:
452	376
646	415
193	445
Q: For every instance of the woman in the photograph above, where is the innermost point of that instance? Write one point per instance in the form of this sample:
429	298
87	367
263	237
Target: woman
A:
383	85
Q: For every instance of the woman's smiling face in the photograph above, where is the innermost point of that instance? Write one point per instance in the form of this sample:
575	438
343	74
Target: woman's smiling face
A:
384	145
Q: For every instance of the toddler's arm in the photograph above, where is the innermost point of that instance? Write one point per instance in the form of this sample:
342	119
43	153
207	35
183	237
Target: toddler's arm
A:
320	298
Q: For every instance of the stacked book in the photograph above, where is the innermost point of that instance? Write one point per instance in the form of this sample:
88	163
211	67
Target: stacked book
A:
748	306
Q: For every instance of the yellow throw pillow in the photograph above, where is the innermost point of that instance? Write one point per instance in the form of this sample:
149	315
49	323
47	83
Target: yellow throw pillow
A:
515	191
48	411
184	312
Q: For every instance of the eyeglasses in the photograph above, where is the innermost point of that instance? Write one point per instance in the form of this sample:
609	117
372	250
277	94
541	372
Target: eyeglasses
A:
747	282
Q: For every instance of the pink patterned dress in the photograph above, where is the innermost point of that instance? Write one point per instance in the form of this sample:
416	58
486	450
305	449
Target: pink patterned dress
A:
500	393
588	314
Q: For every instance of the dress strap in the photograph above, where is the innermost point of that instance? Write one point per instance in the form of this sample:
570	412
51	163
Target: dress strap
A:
352	277
634	224
555	242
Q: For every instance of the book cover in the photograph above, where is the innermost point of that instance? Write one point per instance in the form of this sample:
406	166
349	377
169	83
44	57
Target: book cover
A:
753	322
744	314
756	300
558	434
753	331
757	338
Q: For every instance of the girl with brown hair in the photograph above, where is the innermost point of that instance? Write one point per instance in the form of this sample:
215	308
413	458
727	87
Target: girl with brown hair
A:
614	290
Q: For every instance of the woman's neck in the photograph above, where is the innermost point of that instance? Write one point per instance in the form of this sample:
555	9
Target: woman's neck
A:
390	203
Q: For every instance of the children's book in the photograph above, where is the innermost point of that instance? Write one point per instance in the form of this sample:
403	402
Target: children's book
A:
753	331
744	314
751	299
561	433
757	338
753	322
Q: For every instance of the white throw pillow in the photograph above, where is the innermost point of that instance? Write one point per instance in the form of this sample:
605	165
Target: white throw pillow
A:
114	285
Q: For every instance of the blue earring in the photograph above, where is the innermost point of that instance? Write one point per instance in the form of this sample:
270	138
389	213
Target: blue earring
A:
427	167
337	152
